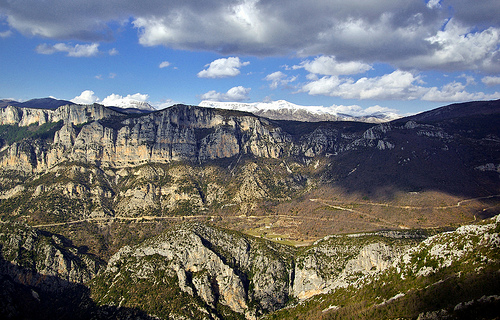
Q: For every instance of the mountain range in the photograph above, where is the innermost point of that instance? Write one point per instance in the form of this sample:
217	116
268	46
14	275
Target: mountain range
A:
284	110
207	213
129	106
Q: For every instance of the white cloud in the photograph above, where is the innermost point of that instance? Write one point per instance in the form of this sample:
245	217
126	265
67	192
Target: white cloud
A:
86	97
328	65
458	47
5	34
224	67
79	50
118	100
164	64
278	78
113	52
406	34
431	4
396	85
491	81
239	93
89	97
454	92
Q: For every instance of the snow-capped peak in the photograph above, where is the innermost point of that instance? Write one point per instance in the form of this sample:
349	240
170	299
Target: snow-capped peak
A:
284	110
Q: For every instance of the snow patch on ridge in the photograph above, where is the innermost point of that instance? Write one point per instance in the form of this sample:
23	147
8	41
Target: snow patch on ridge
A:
284	110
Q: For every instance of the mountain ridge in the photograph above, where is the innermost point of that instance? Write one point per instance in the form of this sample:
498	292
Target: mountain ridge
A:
284	110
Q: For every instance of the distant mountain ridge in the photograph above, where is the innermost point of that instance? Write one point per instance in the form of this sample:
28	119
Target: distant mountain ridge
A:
284	110
129	106
41	103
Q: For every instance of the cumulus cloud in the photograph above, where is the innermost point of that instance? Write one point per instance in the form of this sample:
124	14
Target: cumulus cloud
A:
457	47
456	91
86	97
396	85
164	64
89	97
328	65
118	100
278	78
224	67
238	93
431	4
491	81
79	50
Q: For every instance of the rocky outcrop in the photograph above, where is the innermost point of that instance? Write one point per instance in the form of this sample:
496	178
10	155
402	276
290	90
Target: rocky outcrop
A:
340	261
75	114
42	260
248	275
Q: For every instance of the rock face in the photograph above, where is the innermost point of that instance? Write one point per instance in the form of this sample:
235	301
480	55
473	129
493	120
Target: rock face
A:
247	275
75	114
215	268
340	261
187	159
250	276
42	260
179	133
195	271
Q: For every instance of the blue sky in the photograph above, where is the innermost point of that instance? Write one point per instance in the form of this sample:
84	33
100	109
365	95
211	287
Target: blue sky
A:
405	55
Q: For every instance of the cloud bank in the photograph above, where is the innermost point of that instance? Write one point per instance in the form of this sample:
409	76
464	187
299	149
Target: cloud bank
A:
450	35
398	85
115	100
238	93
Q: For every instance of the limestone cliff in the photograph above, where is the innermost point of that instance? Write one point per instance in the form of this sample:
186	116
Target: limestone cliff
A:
179	133
248	275
75	114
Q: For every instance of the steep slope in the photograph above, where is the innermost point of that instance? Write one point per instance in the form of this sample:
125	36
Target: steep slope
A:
452	275
207	272
42	275
197	271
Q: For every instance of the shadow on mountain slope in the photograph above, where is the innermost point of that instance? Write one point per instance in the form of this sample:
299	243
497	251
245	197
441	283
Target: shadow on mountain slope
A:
50	297
454	150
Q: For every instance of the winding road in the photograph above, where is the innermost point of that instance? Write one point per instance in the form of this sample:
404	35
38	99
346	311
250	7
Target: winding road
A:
384	223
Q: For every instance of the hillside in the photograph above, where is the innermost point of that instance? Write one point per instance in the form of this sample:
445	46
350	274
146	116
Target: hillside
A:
198	271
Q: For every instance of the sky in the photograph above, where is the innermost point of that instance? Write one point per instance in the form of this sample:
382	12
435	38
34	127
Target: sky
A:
406	56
